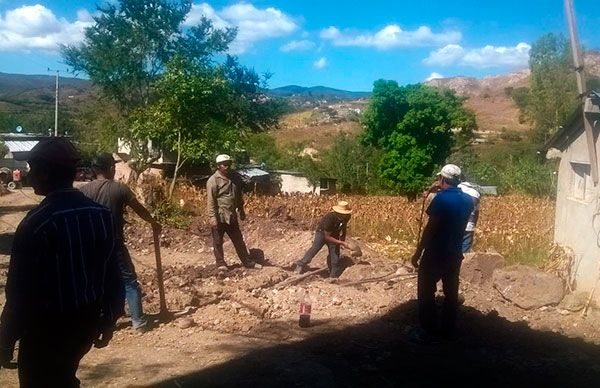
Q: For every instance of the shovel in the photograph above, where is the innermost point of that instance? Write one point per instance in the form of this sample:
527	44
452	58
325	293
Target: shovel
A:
164	315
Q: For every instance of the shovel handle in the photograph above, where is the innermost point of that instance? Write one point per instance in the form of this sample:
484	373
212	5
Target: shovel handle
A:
159	274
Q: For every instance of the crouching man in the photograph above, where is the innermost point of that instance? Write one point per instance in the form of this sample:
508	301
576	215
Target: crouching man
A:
331	231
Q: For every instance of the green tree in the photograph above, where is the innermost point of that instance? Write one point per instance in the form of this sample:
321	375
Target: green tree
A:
128	47
354	165
553	91
416	127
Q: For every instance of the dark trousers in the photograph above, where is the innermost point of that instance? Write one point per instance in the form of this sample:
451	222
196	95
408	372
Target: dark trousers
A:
235	234
431	270
333	258
50	351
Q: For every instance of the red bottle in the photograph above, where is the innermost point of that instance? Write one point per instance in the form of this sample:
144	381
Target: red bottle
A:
305	307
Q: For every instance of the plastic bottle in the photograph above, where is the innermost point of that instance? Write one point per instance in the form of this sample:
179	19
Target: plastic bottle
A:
305	308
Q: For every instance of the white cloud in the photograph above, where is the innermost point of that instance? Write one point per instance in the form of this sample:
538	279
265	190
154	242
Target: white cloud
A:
320	63
297	45
434	75
36	27
198	10
481	58
391	36
255	24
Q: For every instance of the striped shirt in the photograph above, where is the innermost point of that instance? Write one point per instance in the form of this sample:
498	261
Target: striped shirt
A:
62	262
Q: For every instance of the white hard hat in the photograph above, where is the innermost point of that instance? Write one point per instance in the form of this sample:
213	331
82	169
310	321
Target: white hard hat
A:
223	158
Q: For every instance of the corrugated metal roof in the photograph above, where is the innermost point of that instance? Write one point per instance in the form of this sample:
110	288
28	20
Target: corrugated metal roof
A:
20	145
252	172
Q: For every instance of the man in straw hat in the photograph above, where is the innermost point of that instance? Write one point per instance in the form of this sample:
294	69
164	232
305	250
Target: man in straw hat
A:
439	255
225	202
331	231
63	290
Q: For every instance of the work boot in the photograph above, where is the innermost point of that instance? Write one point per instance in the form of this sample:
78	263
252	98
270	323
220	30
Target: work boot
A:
251	264
299	269
222	266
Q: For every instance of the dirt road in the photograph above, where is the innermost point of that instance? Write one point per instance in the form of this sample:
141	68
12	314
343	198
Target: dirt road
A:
243	330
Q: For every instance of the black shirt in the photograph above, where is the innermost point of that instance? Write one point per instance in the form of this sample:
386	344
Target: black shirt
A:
61	262
332	223
112	194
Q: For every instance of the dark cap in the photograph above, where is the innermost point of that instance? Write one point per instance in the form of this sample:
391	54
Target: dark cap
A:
103	161
56	150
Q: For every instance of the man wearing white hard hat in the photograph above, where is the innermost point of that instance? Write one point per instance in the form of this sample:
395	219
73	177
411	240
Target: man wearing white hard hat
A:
331	231
439	255
225	205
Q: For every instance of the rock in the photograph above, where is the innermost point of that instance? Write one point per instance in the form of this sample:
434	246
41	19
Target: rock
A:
528	287
354	247
574	302
478	268
336	302
186	323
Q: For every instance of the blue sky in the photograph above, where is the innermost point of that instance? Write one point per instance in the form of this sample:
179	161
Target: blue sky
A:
340	44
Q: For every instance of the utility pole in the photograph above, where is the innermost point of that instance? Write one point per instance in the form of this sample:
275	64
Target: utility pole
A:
55	105
590	111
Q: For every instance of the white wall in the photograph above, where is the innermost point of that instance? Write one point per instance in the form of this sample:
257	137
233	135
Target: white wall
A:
577	222
291	184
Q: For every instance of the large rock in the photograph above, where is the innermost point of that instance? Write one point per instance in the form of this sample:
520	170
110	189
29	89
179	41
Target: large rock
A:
528	287
477	268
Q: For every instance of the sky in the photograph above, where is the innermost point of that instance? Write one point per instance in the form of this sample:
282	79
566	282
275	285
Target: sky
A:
341	44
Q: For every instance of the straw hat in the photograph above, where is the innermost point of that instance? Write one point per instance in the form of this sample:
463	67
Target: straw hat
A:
223	158
342	207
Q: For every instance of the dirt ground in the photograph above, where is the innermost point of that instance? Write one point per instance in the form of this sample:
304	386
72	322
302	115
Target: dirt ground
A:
242	328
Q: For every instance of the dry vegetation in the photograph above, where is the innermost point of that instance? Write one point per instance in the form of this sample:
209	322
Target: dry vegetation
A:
517	226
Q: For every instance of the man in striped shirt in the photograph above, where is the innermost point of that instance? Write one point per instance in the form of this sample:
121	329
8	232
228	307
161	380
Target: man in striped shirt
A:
63	290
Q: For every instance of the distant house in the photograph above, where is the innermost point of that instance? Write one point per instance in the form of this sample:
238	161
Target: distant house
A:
293	182
577	219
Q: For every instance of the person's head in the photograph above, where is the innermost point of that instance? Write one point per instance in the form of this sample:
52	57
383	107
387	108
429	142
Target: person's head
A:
224	163
449	176
104	165
343	210
53	163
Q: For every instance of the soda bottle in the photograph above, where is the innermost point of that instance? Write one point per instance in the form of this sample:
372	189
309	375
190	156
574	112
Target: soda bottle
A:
305	307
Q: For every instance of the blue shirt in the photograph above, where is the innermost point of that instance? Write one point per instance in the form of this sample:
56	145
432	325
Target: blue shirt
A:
449	213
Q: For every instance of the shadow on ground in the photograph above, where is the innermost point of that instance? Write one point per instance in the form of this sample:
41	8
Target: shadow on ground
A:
491	351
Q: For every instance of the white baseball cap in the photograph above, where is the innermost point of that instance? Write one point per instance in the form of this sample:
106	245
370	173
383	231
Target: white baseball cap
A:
223	158
450	171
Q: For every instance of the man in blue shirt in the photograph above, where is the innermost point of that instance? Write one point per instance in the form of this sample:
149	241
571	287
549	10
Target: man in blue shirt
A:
439	254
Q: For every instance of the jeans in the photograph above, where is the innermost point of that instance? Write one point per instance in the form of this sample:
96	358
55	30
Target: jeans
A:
235	234
333	258
50	351
431	270
467	241
133	291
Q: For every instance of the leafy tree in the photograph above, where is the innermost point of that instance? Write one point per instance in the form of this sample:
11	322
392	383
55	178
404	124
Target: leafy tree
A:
416	127
130	44
353	164
553	92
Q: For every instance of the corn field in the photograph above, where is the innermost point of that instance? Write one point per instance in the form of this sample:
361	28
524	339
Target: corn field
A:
519	227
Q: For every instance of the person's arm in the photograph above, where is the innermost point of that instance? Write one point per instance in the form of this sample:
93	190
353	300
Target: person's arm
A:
20	283
144	214
429	231
113	303
332	240
212	206
240	198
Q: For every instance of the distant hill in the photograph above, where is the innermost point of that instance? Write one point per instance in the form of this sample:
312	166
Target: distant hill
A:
16	84
316	92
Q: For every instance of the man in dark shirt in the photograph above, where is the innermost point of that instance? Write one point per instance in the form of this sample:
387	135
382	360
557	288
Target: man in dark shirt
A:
63	286
439	254
331	231
116	196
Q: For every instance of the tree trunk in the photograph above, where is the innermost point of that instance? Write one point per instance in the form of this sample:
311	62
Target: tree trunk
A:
177	166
